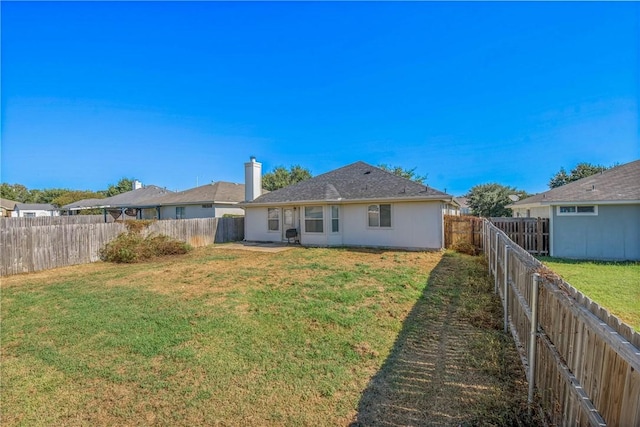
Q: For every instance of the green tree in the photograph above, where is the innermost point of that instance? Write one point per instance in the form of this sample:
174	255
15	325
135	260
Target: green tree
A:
16	192
582	170
47	195
489	200
124	185
282	177
404	173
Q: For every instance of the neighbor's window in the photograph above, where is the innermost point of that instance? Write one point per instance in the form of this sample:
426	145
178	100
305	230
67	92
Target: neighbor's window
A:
578	210
379	215
274	219
335	219
180	212
207	206
313	219
29	214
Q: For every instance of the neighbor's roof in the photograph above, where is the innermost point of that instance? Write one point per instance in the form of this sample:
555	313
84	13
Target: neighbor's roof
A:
618	184
216	192
7	204
35	207
355	182
123	200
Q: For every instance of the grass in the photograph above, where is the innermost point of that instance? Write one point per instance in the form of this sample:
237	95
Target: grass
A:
613	285
233	338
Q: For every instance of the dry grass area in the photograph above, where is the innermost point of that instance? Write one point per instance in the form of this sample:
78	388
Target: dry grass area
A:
230	337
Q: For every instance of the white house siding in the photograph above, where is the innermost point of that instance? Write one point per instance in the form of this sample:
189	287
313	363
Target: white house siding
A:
613	234
36	213
414	225
197	211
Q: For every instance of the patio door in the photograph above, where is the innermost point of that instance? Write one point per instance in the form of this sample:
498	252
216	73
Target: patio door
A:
287	221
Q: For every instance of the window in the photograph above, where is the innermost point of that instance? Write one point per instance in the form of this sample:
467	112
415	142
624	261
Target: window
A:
180	212
578	210
29	214
313	219
335	219
273	215
207	206
379	215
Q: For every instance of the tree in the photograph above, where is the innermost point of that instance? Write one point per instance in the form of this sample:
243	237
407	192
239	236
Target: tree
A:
489	200
16	192
404	173
582	170
281	177
124	185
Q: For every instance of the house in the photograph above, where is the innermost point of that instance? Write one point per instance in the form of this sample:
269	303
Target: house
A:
206	201
133	204
32	210
356	205
6	207
465	209
597	217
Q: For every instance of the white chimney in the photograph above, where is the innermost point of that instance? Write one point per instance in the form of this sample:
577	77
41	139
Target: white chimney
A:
252	179
137	185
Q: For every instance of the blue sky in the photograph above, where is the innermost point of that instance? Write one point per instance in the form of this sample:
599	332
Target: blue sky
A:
180	94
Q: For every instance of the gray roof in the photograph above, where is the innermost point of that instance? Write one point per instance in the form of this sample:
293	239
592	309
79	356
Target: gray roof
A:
356	182
217	192
131	198
35	207
618	184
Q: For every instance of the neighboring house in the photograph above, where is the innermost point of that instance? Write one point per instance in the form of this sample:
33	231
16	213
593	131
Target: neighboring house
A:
597	217
32	210
207	201
6	207
132	204
356	205
464	205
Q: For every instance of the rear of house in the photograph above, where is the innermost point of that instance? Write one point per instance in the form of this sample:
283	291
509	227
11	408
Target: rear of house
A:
357	205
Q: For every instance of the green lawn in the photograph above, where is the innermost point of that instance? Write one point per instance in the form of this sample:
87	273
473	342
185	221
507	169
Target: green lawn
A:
221	337
615	286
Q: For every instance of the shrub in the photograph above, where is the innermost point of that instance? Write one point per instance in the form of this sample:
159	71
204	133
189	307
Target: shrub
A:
132	247
465	248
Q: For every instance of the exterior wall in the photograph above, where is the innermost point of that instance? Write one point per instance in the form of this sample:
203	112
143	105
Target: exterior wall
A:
414	225
537	212
37	213
197	211
613	234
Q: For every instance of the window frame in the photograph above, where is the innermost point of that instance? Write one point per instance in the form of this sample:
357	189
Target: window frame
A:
180	212
576	210
379	216
335	220
317	220
276	219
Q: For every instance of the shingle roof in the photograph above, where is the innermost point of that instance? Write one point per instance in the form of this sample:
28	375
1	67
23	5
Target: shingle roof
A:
131	198
35	207
218	192
8	204
357	181
621	183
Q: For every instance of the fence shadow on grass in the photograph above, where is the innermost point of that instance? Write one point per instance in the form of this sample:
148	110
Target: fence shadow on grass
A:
450	364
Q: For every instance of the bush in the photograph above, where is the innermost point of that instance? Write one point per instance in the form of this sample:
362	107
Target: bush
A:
132	247
465	248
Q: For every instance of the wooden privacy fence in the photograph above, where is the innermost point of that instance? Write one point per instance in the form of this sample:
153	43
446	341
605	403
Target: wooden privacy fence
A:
582	364
34	248
52	220
531	234
462	229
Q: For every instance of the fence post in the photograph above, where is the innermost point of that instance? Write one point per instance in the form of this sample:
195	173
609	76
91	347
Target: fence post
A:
495	263
505	265
533	337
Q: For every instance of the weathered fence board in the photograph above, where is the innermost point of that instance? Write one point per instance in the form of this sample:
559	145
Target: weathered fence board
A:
531	234
586	360
39	247
458	229
6	222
